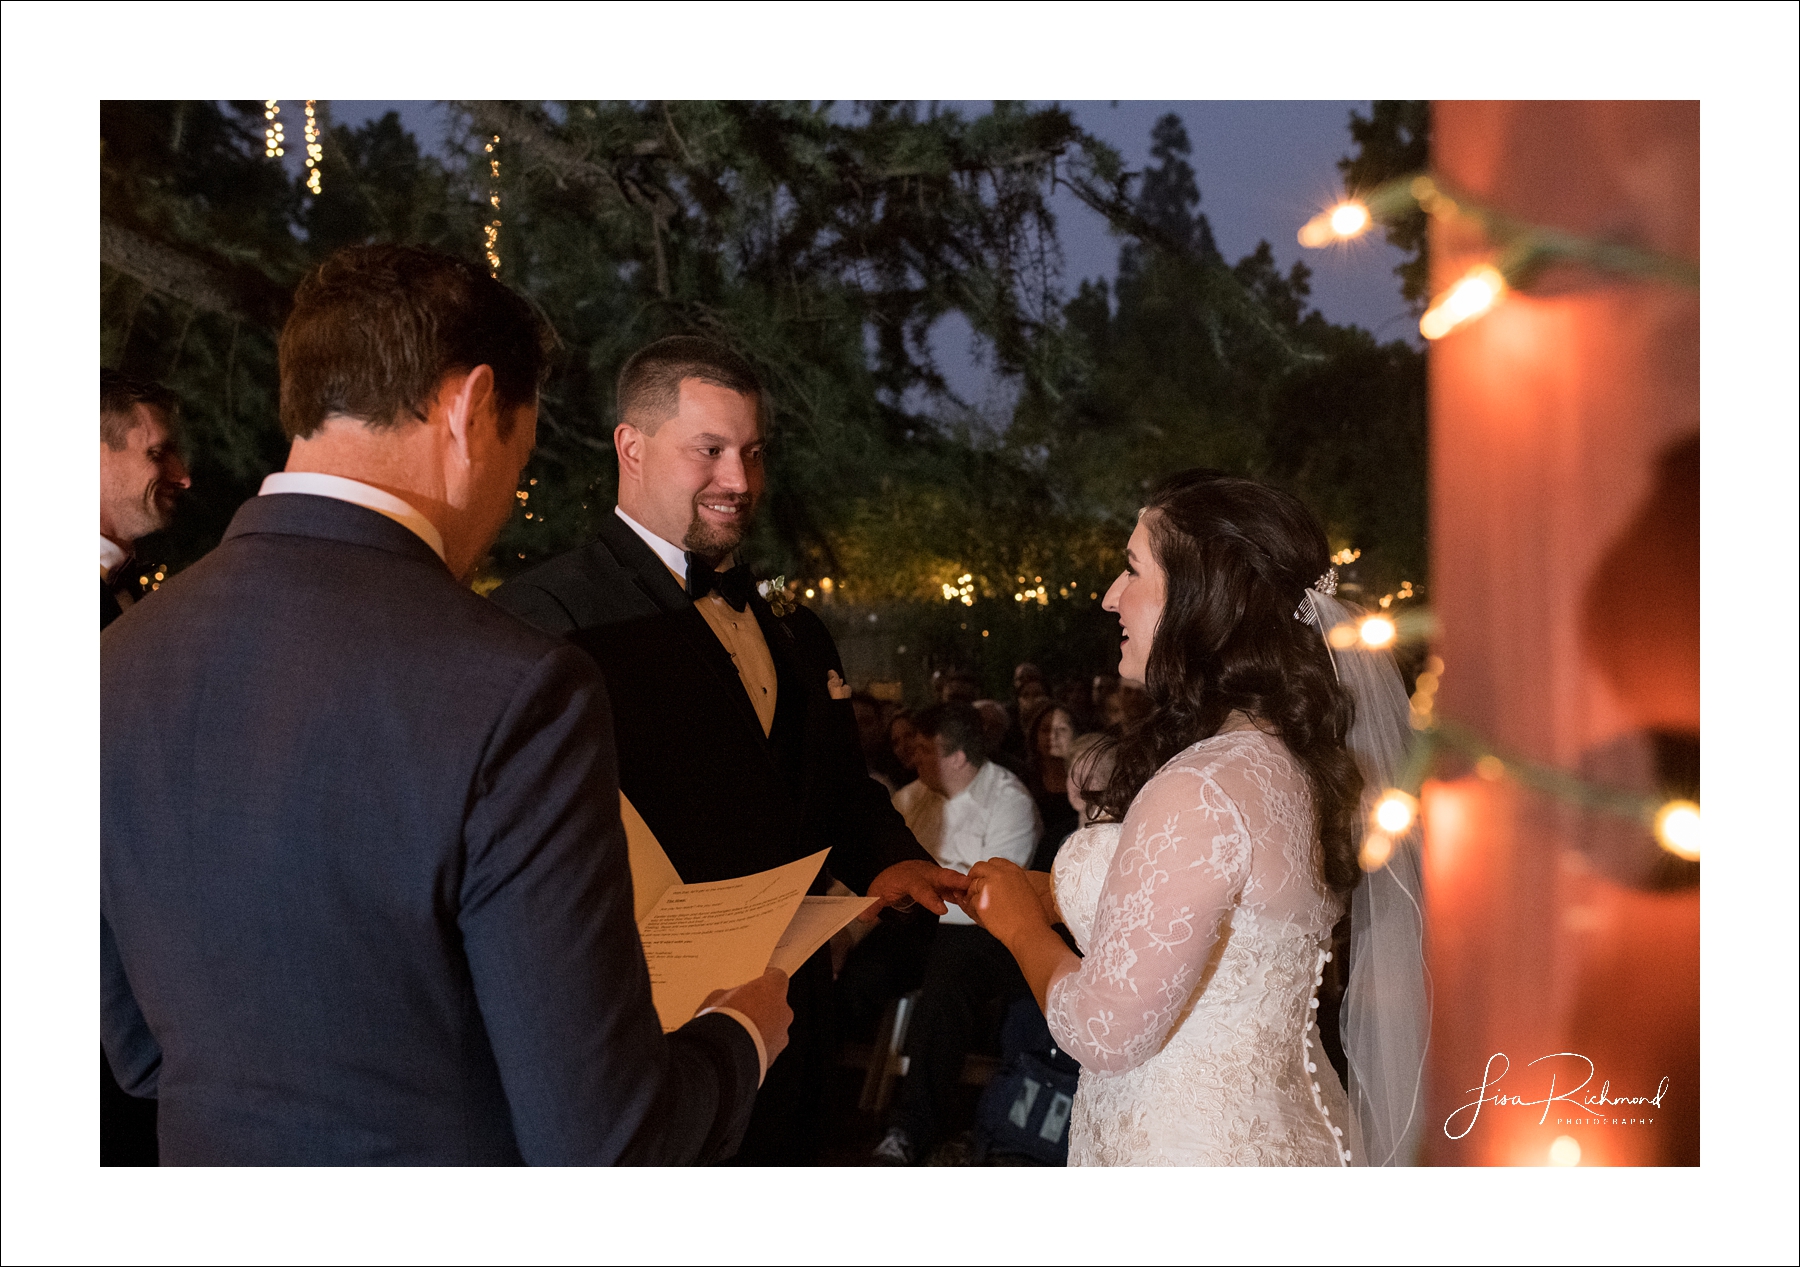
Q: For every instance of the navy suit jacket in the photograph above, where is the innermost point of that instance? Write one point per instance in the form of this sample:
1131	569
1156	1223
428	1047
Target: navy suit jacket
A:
364	888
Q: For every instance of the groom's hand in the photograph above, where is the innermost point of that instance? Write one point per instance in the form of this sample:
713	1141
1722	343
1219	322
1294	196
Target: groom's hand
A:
926	883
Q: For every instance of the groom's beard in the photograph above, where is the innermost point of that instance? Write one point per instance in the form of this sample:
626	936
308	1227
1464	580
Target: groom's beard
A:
714	541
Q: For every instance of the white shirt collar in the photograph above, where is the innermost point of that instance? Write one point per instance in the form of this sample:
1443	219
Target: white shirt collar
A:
360	494
113	556
672	555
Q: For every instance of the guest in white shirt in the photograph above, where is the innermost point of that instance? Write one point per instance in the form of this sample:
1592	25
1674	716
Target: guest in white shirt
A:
141	478
964	809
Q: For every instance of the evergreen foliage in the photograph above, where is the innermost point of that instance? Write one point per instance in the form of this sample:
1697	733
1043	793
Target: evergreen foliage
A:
824	242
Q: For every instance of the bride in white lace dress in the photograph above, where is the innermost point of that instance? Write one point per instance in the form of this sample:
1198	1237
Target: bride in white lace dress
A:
1205	916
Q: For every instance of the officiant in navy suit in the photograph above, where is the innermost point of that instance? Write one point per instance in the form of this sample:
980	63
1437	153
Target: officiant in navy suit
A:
365	895
736	737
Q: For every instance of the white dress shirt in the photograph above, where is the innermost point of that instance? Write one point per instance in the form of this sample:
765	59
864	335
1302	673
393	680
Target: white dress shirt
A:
994	817
358	493
113	557
672	555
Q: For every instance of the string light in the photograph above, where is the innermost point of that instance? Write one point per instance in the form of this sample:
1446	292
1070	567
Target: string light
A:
1565	1151
1425	693
1480	289
1346	555
1404	592
1349	219
273	138
1395	811
962	592
1678	829
491	231
315	149
1377	632
1377	848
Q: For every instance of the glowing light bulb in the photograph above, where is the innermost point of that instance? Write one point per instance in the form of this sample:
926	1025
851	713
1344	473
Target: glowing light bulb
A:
1377	631
1678	829
1481	288
1491	768
1377	848
1395	811
1347	220
1565	1151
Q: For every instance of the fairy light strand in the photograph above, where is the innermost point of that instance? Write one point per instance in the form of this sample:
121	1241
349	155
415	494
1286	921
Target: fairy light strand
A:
274	140
1521	251
491	230
315	149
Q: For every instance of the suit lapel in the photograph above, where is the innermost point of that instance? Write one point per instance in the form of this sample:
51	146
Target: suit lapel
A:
652	578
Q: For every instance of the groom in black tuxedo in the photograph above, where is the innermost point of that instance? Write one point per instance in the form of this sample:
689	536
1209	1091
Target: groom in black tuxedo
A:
736	737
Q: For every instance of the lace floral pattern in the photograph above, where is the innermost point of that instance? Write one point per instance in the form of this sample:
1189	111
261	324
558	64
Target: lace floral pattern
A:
1203	922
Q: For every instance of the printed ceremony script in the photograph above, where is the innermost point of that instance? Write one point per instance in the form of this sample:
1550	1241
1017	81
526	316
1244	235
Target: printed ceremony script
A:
704	937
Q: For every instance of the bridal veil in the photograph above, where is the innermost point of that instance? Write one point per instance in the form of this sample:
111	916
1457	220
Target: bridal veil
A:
1386	1018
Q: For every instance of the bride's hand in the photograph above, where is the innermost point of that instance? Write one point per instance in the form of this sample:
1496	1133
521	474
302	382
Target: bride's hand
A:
1046	894
1005	899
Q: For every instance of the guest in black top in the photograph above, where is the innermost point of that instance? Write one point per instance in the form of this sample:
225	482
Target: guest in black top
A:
1051	730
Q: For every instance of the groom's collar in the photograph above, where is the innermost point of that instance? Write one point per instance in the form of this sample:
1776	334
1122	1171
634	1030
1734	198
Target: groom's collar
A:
672	555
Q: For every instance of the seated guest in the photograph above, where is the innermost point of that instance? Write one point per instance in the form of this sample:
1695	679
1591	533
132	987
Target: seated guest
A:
364	890
871	736
903	741
980	810
955	686
1052	731
1121	704
1005	742
1029	691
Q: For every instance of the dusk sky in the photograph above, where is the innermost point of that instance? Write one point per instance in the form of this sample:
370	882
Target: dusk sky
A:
1263	167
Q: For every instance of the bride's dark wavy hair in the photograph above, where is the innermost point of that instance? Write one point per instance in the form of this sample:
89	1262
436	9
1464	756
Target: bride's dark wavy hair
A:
1237	557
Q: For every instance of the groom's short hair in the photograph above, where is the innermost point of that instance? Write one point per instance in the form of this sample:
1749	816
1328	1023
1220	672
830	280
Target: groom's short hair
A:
375	329
649	390
958	726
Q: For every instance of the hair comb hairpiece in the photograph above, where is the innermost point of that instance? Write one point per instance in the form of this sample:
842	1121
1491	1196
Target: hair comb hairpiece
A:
1326	584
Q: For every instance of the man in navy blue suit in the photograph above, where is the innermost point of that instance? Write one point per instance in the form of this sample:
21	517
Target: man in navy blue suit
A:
364	888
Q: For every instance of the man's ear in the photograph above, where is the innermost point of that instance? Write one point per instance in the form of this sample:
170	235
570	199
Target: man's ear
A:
472	409
628	442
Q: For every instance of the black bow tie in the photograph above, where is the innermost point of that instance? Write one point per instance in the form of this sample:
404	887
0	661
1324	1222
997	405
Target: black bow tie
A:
734	585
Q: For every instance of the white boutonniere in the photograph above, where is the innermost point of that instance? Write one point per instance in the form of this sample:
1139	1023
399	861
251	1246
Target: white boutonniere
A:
775	594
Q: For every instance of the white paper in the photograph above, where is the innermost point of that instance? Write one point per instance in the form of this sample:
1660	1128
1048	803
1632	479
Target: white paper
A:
704	937
815	923
652	874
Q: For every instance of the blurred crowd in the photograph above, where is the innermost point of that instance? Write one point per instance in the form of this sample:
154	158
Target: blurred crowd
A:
975	778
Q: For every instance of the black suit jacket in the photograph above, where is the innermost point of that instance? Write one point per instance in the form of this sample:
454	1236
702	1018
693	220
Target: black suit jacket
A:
364	889
722	799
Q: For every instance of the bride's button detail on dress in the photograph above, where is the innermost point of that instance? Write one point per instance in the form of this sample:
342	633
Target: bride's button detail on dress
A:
1202	919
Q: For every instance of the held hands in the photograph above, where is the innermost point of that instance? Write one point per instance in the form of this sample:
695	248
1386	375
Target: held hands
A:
764	1001
1007	900
926	883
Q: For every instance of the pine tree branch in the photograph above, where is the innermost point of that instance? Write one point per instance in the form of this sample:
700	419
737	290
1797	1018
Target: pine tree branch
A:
184	276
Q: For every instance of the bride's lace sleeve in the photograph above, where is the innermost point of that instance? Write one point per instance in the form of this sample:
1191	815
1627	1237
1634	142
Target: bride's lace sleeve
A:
1183	860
